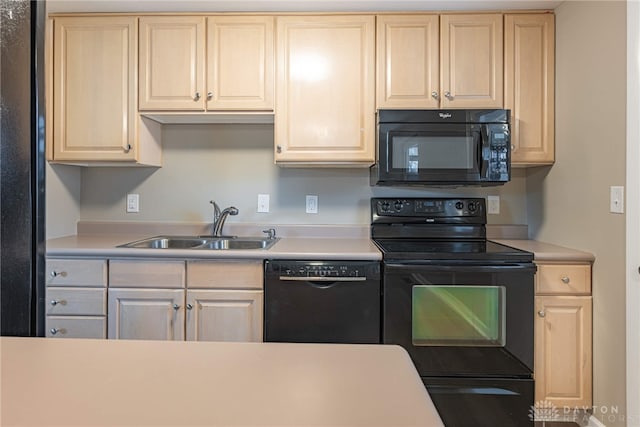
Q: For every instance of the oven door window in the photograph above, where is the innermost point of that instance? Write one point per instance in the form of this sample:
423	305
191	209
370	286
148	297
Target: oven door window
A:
458	315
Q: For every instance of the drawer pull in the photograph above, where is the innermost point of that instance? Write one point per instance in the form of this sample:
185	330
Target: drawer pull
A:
55	302
55	273
54	331
565	279
541	313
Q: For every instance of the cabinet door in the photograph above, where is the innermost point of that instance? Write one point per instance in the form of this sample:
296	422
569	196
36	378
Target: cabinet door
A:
472	58
147	314
94	60
408	61
240	63
563	350
325	103
172	51
529	86
224	315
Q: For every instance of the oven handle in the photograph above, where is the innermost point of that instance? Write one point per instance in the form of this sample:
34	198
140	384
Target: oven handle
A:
321	279
461	267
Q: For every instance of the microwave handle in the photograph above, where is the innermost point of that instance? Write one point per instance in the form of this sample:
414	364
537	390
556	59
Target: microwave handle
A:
481	138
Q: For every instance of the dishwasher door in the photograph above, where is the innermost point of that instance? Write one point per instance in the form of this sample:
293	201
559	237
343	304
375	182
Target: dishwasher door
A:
322	301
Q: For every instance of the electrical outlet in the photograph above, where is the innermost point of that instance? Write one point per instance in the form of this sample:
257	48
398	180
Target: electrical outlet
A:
493	205
616	200
263	203
312	204
133	203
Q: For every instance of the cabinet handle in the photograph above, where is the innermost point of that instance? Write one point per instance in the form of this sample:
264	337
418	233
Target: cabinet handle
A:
127	148
55	273
434	95
565	279
448	95
209	96
279	148
541	313
196	97
189	306
176	307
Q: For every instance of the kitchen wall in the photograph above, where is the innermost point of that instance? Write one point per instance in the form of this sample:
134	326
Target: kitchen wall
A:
232	164
568	204
63	185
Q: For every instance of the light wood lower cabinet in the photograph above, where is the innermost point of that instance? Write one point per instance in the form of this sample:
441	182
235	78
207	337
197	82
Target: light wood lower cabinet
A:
196	300
76	298
563	335
224	315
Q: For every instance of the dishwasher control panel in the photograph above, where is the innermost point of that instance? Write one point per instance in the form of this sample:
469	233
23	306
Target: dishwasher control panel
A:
295	268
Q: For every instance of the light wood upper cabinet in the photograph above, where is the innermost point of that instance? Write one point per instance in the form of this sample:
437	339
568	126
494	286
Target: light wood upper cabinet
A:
94	79
529	86
197	63
240	63
471	61
325	99
408	64
440	61
172	58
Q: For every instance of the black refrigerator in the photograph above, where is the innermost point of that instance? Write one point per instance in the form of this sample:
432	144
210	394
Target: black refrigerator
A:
22	168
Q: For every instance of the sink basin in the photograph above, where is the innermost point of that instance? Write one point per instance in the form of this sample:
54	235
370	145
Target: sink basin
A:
201	242
239	243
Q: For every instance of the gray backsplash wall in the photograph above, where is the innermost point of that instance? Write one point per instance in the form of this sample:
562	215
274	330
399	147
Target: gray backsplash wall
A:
232	164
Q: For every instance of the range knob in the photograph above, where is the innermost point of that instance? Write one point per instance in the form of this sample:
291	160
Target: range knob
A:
384	206
398	205
472	206
459	205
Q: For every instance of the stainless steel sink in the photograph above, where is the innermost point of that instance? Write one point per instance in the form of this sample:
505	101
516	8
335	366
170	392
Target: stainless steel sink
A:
202	242
239	243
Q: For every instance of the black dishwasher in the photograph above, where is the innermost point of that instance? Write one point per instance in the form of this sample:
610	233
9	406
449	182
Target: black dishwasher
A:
322	301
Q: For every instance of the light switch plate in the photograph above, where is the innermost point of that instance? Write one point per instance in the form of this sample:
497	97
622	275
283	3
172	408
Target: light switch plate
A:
312	204
133	203
263	203
493	205
616	201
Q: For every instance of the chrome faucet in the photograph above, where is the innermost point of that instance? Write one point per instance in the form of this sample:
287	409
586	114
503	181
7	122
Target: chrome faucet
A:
219	217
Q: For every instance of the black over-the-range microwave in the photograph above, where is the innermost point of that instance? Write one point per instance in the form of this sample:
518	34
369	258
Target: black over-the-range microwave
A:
442	148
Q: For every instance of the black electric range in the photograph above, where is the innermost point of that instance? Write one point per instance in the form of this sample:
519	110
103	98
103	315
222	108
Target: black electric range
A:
461	305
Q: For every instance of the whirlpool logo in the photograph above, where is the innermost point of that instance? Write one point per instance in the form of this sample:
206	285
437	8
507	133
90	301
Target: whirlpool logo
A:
444	115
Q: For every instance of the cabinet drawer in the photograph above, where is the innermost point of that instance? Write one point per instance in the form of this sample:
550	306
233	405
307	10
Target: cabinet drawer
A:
225	274
146	274
77	272
76	327
76	301
574	279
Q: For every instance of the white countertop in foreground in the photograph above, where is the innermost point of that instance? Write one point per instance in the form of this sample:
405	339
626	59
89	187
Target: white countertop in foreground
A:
118	382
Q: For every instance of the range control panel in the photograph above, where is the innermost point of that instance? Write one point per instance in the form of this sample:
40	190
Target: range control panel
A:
428	207
315	269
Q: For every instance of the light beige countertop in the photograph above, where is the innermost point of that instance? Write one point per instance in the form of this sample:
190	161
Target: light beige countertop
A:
549	252
312	248
125	382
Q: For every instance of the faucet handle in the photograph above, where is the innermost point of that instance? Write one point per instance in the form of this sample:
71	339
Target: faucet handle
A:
271	233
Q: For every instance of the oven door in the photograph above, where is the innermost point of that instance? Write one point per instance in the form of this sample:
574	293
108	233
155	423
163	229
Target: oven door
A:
461	319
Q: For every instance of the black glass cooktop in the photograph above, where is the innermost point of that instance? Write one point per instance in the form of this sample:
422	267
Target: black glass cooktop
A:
425	249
